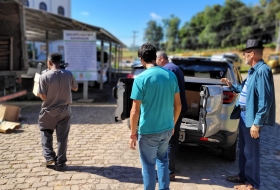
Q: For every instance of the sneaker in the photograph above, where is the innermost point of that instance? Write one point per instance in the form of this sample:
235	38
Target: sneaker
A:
172	176
49	162
60	167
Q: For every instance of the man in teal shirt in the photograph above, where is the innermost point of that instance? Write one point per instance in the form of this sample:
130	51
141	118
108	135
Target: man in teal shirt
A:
257	105
156	93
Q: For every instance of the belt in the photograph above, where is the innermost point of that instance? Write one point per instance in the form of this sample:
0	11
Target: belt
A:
243	108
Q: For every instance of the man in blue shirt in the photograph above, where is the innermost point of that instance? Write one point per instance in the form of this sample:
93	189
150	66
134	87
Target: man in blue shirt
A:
162	60
156	93
257	105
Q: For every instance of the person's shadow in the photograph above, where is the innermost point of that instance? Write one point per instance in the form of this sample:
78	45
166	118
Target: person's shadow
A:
125	174
120	173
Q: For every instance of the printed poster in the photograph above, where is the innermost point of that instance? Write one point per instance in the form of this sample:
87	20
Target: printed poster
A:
80	54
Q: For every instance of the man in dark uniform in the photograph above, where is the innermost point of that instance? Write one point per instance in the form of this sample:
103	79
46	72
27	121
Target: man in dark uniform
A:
55	87
162	60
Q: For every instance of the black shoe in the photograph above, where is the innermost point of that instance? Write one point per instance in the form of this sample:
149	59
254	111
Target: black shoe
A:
235	179
60	167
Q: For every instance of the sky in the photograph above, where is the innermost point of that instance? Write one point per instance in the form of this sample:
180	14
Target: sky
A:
122	17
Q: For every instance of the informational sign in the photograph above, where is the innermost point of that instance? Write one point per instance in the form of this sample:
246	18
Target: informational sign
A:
80	54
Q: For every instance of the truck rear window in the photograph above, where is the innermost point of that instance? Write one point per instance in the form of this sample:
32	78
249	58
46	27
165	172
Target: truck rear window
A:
202	69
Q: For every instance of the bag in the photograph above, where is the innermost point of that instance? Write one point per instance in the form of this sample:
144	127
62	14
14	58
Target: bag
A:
235	114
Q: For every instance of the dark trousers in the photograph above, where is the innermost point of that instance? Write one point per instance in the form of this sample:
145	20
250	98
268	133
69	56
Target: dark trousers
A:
62	131
249	154
173	144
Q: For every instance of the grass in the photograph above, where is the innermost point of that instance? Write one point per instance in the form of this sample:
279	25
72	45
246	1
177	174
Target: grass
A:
130	55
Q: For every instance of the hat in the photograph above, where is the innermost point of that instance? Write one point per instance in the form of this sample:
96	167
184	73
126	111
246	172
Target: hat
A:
253	44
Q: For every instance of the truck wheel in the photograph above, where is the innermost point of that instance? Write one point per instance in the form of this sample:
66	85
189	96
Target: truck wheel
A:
229	153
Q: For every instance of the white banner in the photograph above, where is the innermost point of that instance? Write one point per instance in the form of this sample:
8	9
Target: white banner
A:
80	54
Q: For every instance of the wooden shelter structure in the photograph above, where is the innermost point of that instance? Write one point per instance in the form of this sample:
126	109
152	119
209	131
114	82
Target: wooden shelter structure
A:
20	24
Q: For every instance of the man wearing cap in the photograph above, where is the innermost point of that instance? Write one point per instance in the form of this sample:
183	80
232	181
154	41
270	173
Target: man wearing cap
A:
257	109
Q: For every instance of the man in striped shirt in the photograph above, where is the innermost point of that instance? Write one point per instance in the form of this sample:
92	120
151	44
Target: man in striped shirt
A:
257	105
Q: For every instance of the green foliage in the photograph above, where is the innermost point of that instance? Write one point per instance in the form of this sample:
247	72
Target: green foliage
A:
172	31
153	33
218	26
271	45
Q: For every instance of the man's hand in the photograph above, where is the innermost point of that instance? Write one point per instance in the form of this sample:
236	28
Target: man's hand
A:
226	81
132	143
172	131
254	131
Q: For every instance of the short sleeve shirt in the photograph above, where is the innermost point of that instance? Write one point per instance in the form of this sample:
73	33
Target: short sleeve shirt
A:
155	88
56	85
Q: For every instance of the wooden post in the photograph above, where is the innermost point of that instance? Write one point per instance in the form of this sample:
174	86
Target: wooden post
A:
121	57
11	54
23	37
110	61
33	51
119	60
47	46
101	65
115	62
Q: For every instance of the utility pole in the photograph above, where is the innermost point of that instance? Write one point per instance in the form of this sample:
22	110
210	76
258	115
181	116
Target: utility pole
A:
278	38
133	48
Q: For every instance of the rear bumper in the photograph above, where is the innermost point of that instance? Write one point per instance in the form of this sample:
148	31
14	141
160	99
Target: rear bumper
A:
225	138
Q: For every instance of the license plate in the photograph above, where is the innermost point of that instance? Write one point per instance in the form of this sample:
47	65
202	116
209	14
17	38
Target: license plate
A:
182	136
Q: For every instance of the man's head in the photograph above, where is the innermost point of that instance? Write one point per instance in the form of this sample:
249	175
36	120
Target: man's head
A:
147	54
162	58
54	59
253	52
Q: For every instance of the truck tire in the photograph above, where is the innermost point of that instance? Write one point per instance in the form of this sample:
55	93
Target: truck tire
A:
229	153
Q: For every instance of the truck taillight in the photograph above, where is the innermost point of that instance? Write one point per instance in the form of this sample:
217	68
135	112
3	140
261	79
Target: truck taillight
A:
130	76
228	97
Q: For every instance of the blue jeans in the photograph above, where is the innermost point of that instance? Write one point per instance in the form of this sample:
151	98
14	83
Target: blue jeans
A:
173	144
153	152
249	154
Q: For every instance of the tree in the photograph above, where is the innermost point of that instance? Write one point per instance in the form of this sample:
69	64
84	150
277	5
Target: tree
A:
153	33
209	36
267	21
172	30
221	26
